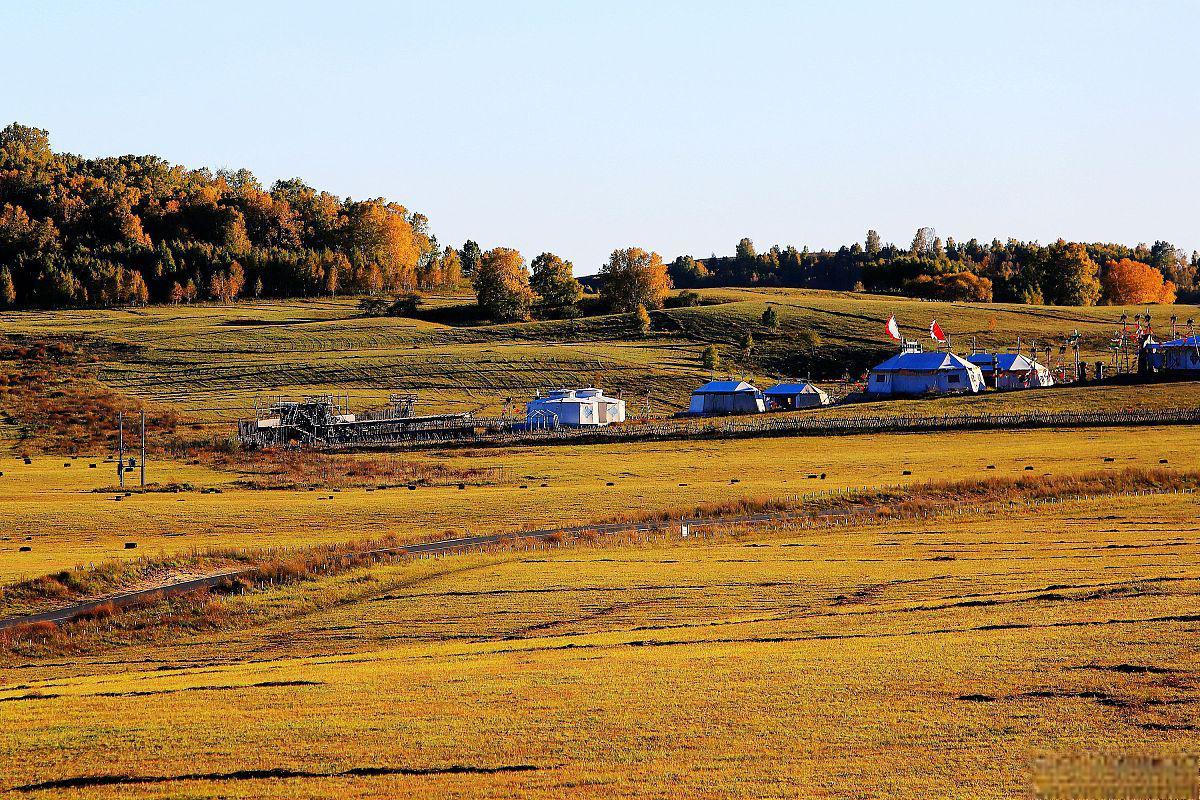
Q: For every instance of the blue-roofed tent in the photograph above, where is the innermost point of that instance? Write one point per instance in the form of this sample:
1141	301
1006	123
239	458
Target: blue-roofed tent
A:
1178	356
1011	371
795	395
914	372
727	397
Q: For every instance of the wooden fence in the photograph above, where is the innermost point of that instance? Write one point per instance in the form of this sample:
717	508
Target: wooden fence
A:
802	425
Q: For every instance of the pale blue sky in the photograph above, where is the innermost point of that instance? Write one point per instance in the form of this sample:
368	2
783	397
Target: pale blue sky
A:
678	126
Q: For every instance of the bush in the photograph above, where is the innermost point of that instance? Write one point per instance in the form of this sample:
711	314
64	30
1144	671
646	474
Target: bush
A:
684	299
403	305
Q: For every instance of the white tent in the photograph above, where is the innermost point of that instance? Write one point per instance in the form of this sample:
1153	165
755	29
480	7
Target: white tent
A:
727	397
574	408
796	395
1178	356
913	372
1011	371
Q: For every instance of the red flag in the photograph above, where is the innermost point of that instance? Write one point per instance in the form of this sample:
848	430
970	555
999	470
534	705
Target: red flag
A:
893	330
936	333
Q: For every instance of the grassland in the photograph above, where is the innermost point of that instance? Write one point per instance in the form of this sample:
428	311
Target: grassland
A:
55	510
213	362
909	660
917	659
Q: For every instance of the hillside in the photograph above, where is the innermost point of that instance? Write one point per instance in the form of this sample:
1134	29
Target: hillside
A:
212	361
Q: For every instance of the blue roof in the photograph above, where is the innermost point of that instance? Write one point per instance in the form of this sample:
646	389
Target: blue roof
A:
923	362
792	388
1187	341
724	387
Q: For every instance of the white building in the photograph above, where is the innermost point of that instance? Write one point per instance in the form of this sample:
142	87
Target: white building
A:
913	372
574	408
1011	371
787	396
727	397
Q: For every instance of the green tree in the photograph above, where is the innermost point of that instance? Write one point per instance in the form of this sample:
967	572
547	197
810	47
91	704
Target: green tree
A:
634	277
745	249
16	136
470	255
643	320
1077	281
687	271
502	285
711	358
747	344
873	244
770	319
554	282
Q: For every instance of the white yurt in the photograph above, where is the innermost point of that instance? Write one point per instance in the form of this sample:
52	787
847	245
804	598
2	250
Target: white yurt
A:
1011	371
914	372
727	397
574	408
789	396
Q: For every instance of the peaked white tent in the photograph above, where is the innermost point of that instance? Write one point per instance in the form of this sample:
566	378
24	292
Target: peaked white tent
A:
913	372
1011	371
801	394
727	397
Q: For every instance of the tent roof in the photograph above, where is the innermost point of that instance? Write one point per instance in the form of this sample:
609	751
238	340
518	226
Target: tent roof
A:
724	387
924	362
1187	341
1007	362
802	387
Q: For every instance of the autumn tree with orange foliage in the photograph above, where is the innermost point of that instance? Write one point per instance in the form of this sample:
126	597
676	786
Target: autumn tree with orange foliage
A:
955	286
631	278
502	285
1129	282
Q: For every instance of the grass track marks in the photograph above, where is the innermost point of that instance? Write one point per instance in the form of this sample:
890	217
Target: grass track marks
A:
91	781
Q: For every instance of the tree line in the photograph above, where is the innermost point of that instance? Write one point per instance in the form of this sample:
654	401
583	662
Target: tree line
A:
135	229
1061	273
631	281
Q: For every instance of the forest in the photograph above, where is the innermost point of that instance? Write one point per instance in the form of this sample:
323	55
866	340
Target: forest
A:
132	230
1061	273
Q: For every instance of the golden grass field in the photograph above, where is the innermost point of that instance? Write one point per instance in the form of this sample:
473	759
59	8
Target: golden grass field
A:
54	510
905	660
918	659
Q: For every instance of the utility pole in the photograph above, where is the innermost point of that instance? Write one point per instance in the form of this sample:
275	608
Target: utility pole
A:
143	461
121	448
